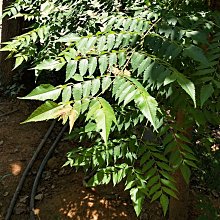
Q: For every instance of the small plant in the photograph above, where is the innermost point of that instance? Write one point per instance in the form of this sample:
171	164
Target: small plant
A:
15	86
207	209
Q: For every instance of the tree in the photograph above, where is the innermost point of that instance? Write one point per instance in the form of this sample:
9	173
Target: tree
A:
5	35
130	67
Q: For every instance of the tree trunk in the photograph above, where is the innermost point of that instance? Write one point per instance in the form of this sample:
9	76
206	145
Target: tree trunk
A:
214	4
10	28
178	209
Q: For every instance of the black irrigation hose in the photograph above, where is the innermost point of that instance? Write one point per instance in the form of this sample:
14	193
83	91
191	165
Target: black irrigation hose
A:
40	170
27	169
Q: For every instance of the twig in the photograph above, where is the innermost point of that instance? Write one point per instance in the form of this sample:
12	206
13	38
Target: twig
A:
3	177
8	113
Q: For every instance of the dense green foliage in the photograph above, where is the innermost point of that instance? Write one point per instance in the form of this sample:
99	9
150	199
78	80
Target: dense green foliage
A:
130	68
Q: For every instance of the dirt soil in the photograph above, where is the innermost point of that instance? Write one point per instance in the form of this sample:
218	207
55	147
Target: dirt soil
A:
61	194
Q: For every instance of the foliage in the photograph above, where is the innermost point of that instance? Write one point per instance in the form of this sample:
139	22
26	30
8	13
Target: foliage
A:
14	88
208	155
130	67
208	211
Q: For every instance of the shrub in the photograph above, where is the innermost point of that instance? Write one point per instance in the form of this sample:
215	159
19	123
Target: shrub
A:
133	69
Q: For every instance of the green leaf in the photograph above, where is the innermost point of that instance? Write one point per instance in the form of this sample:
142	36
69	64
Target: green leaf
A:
103	64
114	178
125	93
71	69
191	163
118	23
156	195
154	189
49	110
164	201
149	164
101	43
69	38
87	88
92	65
187	85
49	64
186	148
95	86
85	105
106	82
185	170
148	71
77	91
169	79
138	205
160	156
206	93
164	166
18	62
74	114
44	92
81	45
168	183
66	95
133	24
146	103
196	54
136	60
112	60
121	89
139	26
150	173
166	175
175	159
118	41
169	192
144	158
90	127
121	58
137	198
40	33
170	147
104	118
34	36
94	106
143	66
78	78
182	138
127	23
130	97
117	83
152	181
110	41
90	44
83	66
130	184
